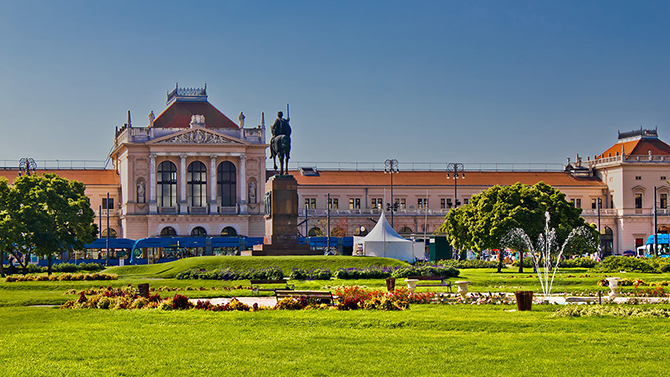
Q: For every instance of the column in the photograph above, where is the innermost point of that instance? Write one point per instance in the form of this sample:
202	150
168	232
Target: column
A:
152	184
243	184
183	206
213	205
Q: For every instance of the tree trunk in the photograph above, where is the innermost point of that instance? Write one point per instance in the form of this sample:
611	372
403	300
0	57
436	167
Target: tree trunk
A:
49	268
2	263
500	261
521	261
24	265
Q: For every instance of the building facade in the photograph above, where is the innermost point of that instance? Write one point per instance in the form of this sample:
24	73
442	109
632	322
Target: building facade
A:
193	171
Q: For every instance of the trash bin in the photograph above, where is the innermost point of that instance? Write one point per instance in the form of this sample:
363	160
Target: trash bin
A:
390	284
144	289
524	300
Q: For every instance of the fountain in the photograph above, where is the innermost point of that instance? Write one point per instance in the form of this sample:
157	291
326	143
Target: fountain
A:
542	251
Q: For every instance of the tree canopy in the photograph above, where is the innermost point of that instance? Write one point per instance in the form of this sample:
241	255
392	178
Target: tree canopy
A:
44	214
490	215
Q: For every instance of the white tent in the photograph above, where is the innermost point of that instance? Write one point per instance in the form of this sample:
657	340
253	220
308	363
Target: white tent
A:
383	241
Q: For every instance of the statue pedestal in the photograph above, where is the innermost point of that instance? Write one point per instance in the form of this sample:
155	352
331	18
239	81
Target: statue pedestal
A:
281	220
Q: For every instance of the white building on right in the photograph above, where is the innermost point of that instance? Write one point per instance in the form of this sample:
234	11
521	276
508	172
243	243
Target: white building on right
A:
636	171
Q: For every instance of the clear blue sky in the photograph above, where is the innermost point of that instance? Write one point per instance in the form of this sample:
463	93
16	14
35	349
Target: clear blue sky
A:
423	81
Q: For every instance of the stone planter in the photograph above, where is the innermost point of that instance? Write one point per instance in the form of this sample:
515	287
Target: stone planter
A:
614	287
462	287
411	284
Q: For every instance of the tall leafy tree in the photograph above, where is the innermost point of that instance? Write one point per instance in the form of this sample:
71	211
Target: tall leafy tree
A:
490	215
44	214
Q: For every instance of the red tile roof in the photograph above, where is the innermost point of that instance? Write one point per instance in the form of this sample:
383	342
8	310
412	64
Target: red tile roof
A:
178	114
88	177
640	147
439	178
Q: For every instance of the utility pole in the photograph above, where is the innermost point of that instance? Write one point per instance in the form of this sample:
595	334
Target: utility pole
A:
107	263
328	223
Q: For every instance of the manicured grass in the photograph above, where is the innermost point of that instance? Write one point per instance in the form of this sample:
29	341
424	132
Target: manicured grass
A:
239	263
428	340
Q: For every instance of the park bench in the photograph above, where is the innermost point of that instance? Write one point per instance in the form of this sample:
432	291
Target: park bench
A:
318	296
256	285
433	281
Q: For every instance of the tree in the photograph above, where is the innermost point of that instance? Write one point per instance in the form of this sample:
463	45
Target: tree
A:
43	215
490	215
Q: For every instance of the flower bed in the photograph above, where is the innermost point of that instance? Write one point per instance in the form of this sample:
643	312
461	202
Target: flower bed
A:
63	277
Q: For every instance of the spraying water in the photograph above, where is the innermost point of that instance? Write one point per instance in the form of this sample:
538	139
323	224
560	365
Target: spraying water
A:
542	251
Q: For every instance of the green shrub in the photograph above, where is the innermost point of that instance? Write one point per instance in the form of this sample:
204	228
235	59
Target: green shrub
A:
463	264
628	264
578	263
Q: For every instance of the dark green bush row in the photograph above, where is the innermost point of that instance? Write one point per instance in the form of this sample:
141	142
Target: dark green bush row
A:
462	264
396	272
61	267
273	273
630	264
564	263
310	274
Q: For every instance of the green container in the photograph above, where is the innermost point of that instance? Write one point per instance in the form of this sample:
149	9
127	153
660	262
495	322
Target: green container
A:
439	249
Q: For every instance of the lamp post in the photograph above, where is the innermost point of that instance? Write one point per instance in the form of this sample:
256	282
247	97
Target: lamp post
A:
27	165
457	170
391	166
655	226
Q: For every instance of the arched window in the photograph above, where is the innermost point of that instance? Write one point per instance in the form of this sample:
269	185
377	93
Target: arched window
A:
226	184
338	232
199	231
168	231
228	231
196	184
606	241
315	232
166	184
112	233
405	229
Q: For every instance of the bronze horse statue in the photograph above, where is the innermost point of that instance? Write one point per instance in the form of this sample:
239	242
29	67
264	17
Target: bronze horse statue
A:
281	147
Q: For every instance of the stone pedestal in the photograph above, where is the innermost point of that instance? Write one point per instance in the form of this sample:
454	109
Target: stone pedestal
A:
281	219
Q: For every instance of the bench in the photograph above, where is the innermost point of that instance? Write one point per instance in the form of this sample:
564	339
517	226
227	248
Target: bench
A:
256	285
318	296
443	281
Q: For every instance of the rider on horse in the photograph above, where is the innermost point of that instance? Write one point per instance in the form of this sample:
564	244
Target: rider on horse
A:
280	144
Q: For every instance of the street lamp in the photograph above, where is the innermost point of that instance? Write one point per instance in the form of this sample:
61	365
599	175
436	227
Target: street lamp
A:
27	165
391	166
453	169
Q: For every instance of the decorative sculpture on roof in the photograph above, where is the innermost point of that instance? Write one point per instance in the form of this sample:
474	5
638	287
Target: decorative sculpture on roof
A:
280	144
241	119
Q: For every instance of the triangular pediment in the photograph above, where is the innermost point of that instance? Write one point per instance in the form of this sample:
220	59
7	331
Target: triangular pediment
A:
199	136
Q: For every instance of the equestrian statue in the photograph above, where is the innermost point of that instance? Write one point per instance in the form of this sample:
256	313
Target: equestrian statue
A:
280	144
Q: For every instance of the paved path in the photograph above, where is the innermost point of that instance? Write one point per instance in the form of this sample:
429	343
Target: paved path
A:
261	301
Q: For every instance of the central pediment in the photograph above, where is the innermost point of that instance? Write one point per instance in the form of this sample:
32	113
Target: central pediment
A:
198	136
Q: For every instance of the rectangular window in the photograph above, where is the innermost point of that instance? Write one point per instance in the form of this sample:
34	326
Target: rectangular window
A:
401	203
578	203
443	203
107	204
664	201
663	178
377	203
333	203
638	178
423	203
594	204
638	200
449	203
354	203
310	203
466	201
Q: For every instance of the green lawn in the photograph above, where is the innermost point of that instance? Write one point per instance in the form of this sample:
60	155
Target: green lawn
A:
239	263
427	340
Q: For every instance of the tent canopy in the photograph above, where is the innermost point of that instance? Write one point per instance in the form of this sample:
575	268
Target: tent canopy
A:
383	241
